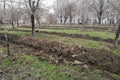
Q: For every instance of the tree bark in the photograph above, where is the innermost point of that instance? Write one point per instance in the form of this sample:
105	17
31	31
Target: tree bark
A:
13	25
33	9
117	35
99	18
38	21
61	21
70	18
18	23
65	19
70	21
33	24
5	31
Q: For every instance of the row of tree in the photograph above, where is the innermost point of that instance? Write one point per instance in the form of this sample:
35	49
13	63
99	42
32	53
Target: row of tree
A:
93	11
87	11
65	12
18	12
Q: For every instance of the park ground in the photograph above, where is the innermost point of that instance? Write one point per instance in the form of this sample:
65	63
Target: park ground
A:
60	53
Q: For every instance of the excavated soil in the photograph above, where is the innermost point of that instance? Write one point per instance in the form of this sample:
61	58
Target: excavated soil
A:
75	55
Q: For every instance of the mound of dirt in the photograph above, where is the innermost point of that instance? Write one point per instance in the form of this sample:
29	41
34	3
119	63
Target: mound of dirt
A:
60	53
101	59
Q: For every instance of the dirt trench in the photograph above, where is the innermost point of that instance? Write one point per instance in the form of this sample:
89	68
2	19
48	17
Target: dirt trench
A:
59	53
80	36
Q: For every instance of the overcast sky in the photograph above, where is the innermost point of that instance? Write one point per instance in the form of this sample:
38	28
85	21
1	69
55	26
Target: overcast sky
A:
48	3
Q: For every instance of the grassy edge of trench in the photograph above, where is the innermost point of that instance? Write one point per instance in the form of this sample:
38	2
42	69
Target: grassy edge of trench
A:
72	41
29	67
20	66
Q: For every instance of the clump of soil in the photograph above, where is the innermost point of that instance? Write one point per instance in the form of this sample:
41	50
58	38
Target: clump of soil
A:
101	59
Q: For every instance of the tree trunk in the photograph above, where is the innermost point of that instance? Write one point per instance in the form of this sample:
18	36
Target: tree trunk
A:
78	20
61	19
18	23
117	35
33	24
5	31
70	21
38	21
65	19
70	18
13	25
99	20
7	43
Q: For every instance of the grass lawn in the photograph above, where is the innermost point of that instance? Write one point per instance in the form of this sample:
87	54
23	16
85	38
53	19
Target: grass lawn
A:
28	67
65	40
101	34
31	68
71	41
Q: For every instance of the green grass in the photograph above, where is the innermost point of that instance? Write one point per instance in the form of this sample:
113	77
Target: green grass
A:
116	77
100	34
72	41
80	42
19	33
116	50
24	29
31	68
2	51
65	40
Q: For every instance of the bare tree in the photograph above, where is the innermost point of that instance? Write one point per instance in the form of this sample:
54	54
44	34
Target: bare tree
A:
5	29
99	6
12	14
65	10
71	11
51	18
33	5
39	14
116	5
84	11
65	14
59	6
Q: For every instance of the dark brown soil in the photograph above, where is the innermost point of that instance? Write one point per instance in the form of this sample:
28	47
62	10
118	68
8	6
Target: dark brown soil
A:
59	53
17	50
